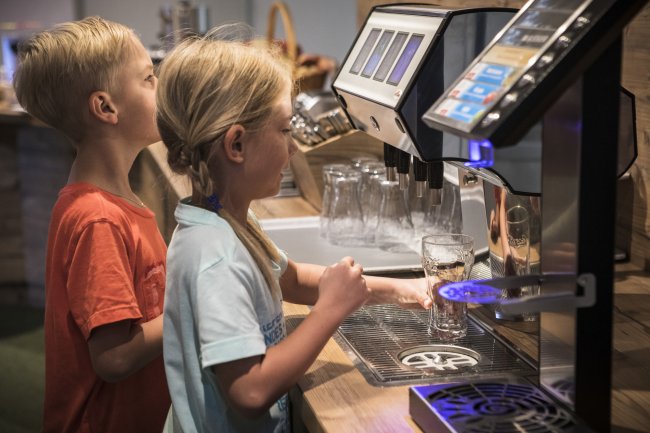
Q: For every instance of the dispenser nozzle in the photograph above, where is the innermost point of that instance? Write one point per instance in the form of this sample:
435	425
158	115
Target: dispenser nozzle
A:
390	161
435	174
403	168
420	176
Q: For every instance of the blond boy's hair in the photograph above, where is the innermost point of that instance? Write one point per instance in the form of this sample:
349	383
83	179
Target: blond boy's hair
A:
59	68
205	87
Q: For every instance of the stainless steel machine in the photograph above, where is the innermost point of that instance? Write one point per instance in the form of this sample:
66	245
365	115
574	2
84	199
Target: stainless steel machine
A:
531	121
558	60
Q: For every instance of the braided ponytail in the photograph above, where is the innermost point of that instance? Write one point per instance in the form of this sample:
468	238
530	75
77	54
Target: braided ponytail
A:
258	245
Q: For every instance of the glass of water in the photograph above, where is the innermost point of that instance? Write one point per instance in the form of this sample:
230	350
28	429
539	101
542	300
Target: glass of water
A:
447	258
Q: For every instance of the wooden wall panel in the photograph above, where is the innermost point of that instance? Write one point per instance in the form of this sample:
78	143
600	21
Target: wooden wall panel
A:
633	222
636	78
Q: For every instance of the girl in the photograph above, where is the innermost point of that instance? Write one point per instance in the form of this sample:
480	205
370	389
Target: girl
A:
224	111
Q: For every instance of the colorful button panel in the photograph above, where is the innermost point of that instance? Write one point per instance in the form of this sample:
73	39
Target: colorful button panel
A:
461	111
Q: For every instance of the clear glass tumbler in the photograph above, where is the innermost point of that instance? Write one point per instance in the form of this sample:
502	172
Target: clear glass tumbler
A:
358	161
345	225
447	216
372	173
517	259
394	226
328	171
447	258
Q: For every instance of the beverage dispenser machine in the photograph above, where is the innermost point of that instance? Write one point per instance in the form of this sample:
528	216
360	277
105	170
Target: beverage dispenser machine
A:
558	61
401	62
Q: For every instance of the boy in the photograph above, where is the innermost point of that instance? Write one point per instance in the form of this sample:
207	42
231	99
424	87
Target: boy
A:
105	275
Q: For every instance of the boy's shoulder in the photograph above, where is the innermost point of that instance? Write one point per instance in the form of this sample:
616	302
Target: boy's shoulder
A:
83	203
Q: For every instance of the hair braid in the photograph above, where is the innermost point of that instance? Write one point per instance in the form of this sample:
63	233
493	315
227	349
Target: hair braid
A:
258	245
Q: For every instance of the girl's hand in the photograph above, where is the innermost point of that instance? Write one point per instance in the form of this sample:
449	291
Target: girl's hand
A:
410	293
413	293
342	288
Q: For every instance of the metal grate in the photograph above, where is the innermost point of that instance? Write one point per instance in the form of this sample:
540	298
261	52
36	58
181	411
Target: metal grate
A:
375	336
489	407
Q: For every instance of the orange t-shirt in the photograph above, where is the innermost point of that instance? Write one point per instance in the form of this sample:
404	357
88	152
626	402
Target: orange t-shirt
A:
105	263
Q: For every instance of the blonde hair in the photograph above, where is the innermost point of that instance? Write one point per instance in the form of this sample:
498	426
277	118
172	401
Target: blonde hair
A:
205	87
59	68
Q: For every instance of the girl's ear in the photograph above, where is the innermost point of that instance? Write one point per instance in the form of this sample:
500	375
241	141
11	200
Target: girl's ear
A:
101	107
233	143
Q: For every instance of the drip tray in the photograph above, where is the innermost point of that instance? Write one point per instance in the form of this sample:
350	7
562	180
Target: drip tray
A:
390	346
486	407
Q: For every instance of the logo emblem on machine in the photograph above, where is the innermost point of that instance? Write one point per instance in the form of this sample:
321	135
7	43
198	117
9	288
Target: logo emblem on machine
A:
439	357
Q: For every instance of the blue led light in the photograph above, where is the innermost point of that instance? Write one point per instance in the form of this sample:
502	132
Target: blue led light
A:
481	153
472	291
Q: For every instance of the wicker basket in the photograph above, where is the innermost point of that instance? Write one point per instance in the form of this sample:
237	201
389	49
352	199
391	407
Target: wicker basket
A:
307	77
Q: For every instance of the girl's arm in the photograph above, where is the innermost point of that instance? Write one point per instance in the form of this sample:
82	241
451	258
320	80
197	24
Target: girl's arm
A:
253	384
300	286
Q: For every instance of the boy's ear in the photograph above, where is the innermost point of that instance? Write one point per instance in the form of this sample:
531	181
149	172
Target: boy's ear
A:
101	107
234	143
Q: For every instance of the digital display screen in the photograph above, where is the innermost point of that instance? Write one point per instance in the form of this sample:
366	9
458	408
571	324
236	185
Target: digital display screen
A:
505	62
475	91
490	73
377	53
519	37
461	111
534	28
391	55
365	51
542	20
405	59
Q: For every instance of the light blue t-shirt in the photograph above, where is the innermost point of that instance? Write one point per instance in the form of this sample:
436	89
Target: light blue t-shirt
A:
218	308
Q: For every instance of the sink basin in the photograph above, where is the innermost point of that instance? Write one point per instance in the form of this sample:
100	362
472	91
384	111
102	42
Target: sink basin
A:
301	239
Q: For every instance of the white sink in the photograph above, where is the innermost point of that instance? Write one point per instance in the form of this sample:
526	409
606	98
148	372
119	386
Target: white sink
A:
301	240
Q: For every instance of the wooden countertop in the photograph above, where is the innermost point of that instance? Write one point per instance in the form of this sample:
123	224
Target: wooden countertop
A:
333	396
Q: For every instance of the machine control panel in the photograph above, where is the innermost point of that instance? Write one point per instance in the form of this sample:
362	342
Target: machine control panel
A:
388	51
500	93
403	58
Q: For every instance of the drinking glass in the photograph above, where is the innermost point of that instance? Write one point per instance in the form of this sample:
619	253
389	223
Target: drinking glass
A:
328	171
517	259
394	226
446	217
358	161
372	173
345	225
447	258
